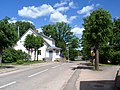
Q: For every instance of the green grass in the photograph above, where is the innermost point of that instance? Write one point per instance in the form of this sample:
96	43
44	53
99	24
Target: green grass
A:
108	65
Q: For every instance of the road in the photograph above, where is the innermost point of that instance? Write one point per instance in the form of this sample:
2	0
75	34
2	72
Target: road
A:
49	77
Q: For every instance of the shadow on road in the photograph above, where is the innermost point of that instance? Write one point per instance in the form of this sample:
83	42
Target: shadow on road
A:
83	66
3	67
97	85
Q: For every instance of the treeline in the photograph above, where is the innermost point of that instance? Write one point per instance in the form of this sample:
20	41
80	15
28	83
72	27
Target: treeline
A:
60	32
9	37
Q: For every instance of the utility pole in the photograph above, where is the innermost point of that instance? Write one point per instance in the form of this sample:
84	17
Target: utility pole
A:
18	32
68	49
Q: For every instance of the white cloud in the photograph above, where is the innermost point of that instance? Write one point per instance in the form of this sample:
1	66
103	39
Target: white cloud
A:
39	30
77	30
60	4
86	10
14	20
71	4
34	12
56	14
72	18
27	21
97	5
58	17
62	9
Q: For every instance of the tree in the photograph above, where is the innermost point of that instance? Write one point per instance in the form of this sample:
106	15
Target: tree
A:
8	36
115	42
23	26
116	34
28	43
33	43
61	33
38	42
97	30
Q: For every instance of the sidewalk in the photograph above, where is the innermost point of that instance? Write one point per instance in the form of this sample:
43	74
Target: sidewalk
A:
97	80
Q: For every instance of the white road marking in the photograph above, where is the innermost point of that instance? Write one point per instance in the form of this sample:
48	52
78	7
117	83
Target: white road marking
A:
7	84
38	73
56	66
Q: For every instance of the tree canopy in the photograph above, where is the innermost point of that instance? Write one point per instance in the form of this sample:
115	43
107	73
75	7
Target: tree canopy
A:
23	26
61	33
97	30
33	43
8	36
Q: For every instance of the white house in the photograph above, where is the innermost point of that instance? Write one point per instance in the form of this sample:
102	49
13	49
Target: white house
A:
49	51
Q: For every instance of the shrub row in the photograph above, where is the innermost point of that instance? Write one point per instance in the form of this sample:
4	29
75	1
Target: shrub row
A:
12	55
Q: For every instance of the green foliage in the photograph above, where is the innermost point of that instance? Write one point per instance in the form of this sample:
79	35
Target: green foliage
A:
29	41
100	30
97	27
38	42
116	34
19	62
23	26
115	57
8	36
11	55
61	33
33	42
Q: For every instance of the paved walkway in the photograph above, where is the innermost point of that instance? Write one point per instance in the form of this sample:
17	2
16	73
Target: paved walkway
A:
96	80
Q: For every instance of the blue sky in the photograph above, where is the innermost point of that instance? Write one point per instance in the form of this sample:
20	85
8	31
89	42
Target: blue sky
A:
42	12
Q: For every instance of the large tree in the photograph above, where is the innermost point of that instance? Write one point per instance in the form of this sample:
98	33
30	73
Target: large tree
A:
61	33
8	36
33	43
97	30
23	26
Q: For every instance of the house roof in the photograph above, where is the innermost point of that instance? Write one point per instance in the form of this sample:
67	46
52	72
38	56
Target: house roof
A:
41	34
53	48
36	32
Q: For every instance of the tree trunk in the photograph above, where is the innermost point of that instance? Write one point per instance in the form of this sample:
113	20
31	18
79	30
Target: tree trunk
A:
0	55
97	58
37	54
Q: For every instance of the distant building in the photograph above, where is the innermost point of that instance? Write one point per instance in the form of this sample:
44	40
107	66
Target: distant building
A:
48	52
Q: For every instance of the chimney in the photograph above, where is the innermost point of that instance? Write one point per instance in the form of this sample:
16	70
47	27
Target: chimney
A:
36	31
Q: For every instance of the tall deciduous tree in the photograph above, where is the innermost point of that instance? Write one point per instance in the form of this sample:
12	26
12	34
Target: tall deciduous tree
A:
97	30
8	37
61	33
24	26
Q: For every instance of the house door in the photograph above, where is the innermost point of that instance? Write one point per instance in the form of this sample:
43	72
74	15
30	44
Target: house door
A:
51	54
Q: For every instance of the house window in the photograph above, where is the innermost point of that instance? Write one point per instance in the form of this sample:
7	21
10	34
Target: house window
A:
57	52
39	52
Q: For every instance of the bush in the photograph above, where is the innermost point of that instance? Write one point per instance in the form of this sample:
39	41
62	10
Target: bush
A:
19	62
11	55
115	57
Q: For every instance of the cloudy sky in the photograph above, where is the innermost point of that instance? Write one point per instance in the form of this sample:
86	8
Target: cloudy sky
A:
42	12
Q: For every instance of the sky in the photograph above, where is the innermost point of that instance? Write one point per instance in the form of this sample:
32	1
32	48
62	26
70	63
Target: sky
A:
43	12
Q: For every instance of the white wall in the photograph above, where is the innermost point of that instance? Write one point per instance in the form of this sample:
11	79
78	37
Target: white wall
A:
50	42
44	52
20	44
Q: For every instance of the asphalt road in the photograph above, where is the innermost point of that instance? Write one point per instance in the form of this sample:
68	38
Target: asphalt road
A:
50	77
